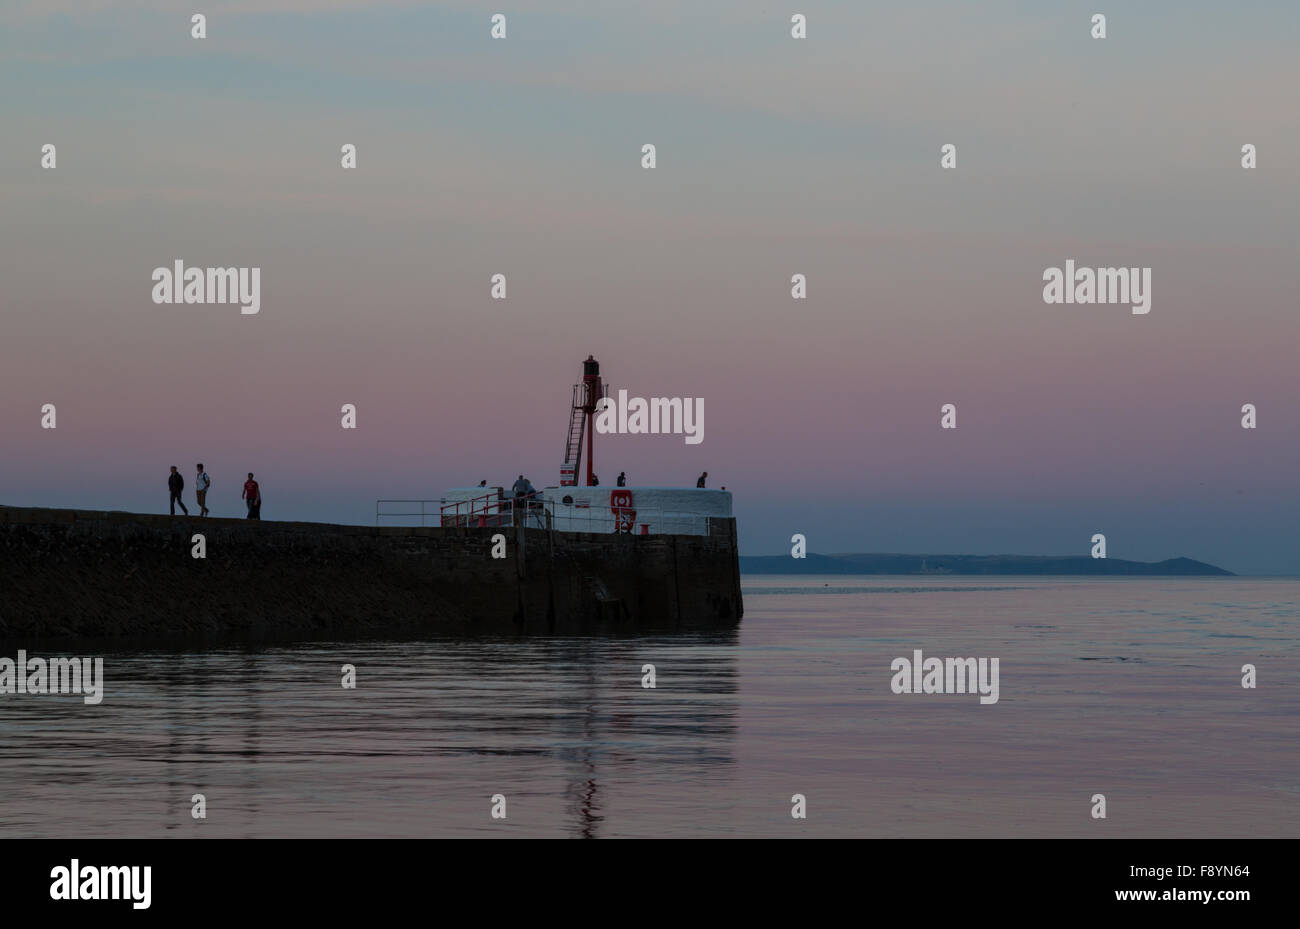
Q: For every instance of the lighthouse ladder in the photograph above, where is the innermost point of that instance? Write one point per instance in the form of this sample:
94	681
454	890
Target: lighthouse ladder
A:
577	422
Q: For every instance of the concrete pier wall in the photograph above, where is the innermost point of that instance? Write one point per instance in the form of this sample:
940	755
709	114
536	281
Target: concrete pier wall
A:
76	573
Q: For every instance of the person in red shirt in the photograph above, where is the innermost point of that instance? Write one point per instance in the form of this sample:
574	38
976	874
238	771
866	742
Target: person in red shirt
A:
253	497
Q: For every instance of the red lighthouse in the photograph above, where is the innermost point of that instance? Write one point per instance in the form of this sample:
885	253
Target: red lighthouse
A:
581	422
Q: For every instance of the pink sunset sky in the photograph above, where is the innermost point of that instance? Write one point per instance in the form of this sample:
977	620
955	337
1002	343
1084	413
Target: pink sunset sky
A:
775	157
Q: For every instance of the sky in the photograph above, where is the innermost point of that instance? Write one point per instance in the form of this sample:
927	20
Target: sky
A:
775	156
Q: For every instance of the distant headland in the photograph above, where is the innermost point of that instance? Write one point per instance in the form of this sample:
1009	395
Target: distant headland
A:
974	564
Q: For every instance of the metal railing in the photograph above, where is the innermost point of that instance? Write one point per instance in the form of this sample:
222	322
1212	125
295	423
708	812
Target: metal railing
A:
421	513
542	512
490	509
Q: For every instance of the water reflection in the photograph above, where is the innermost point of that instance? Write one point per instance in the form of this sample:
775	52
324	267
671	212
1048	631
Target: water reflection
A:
562	726
798	702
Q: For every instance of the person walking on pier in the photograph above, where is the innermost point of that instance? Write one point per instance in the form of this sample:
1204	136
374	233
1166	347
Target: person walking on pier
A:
622	479
175	484
201	485
253	497
700	482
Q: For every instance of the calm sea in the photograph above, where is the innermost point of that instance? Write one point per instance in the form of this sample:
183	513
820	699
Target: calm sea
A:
1129	688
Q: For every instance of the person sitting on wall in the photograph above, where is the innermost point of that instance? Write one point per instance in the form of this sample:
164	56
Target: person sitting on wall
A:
595	480
523	491
700	482
622	479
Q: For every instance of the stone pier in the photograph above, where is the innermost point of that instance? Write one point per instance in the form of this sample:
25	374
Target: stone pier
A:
70	574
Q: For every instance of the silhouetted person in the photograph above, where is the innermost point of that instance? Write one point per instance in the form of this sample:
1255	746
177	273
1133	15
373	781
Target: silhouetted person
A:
595	480
700	482
482	483
201	485
622	479
253	497
175	484
522	488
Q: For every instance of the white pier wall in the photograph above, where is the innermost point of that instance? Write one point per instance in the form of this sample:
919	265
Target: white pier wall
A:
677	510
680	510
